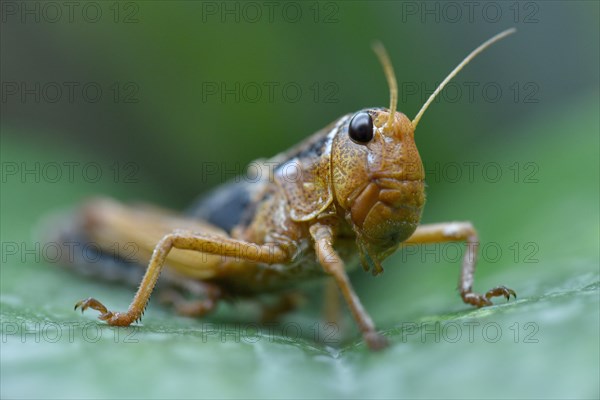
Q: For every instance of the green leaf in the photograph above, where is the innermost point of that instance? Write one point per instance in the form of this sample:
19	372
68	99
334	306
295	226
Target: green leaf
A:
544	344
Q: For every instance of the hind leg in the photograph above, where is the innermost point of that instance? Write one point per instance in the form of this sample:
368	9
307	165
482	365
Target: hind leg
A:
184	240
193	248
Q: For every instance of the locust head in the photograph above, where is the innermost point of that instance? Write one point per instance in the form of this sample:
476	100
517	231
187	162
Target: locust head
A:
378	181
377	173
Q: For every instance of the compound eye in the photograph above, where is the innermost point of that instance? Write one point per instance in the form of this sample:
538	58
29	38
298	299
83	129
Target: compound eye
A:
361	128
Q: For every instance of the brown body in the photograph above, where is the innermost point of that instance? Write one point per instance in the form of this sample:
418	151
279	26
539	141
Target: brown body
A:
353	191
371	205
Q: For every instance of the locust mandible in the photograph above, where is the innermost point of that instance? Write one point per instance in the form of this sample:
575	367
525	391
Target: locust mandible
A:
352	192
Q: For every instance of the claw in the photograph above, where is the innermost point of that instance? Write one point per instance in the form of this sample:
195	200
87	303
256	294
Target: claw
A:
501	291
111	318
484	300
92	303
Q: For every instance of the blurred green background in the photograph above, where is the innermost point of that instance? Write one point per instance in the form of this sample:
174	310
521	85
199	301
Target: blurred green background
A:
126	89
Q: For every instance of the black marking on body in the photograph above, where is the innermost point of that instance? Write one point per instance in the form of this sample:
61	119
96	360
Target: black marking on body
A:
226	206
313	149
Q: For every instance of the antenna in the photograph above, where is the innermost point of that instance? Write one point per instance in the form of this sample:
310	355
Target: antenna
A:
456	70
384	58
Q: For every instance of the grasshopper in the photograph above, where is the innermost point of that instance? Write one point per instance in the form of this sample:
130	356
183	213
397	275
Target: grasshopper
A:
352	192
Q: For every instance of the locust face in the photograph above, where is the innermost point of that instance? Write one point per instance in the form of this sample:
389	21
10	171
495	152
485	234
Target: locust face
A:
377	173
378	181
